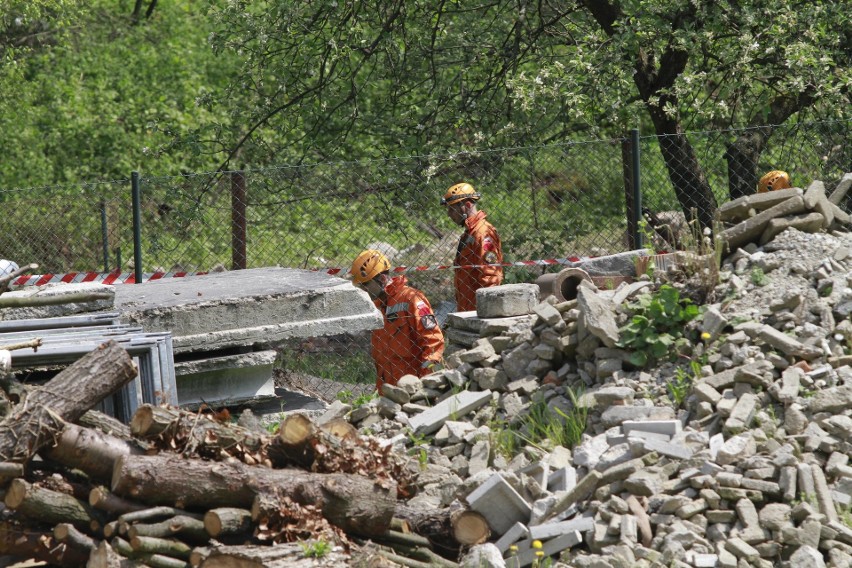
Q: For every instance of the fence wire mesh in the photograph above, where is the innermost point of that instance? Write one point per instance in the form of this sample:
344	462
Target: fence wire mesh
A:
548	204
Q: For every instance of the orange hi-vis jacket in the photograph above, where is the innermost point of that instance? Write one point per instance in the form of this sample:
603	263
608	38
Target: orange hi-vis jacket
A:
410	340
478	245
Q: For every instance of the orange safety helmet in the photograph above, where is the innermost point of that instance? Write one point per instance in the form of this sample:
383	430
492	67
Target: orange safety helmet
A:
368	265
459	192
774	180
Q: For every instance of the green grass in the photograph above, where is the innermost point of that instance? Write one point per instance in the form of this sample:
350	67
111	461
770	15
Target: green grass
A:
355	366
542	426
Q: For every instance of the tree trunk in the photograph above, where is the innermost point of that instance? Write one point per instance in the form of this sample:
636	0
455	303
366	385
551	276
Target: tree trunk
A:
685	173
91	451
66	397
351	502
742	157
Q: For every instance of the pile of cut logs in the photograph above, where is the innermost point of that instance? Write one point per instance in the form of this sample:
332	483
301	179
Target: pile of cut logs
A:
175	488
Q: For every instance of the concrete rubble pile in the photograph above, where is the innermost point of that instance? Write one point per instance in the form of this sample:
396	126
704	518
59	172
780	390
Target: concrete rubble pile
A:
751	470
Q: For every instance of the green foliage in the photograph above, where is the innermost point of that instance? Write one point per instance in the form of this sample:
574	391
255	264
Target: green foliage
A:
656	328
757	277
419	447
346	396
543	424
315	548
680	387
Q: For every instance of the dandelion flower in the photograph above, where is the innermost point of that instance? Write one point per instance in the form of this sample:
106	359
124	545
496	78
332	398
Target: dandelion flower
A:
705	336
536	544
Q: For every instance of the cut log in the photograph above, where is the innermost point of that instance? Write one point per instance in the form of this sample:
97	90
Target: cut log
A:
195	434
165	546
182	526
448	529
23	543
293	445
339	428
67	533
66	397
227	521
108	425
351	502
151	560
10	471
103	499
91	451
48	506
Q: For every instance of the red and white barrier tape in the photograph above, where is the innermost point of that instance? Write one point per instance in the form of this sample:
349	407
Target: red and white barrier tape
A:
130	277
99	277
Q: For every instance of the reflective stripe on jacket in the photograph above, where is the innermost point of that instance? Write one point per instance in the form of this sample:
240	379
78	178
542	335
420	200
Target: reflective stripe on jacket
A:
410	339
479	244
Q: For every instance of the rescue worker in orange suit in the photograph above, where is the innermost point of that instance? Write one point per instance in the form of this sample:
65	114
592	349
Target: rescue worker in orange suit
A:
411	342
479	246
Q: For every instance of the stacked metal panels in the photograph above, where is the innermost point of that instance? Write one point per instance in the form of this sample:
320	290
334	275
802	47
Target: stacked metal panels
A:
66	339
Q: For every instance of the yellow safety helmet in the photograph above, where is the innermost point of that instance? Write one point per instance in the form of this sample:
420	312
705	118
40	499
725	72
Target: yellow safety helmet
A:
368	265
459	192
774	180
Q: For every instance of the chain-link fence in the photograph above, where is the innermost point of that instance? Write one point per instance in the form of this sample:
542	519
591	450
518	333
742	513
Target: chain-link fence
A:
548	204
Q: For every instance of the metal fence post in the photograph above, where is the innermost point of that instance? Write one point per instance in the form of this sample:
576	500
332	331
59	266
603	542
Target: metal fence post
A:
105	235
632	195
137	227
637	188
238	220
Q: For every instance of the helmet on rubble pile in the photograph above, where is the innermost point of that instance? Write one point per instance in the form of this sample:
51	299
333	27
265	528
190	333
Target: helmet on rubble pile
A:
368	265
774	180
459	192
7	267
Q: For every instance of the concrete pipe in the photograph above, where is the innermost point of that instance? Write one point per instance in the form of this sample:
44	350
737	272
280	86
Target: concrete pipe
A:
562	284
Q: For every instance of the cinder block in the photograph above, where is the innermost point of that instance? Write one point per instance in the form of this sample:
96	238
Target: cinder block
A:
499	503
511	536
551	530
668	427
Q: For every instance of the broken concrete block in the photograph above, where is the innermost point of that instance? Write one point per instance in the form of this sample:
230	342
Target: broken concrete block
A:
751	229
506	300
515	533
499	503
450	408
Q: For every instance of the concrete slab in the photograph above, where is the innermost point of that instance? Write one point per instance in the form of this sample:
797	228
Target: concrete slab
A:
229	380
246	307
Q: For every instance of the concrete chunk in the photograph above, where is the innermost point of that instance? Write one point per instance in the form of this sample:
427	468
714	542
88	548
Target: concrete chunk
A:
453	407
506	300
499	503
751	229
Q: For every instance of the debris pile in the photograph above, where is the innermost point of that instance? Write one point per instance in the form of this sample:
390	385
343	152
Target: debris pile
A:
733	453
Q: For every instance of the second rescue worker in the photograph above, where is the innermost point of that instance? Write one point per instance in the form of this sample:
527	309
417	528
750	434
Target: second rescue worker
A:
479	245
410	343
